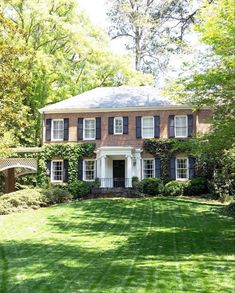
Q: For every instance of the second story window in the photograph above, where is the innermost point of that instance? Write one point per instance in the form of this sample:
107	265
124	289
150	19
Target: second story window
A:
181	127
118	125
148	168
58	129
147	127
89	128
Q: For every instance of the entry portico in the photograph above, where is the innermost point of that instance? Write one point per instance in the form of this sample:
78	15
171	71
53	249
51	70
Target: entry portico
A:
116	165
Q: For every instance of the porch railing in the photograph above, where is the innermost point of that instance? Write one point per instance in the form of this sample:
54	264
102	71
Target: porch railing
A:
115	182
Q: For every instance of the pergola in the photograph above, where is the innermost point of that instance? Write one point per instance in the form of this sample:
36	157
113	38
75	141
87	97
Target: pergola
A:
18	166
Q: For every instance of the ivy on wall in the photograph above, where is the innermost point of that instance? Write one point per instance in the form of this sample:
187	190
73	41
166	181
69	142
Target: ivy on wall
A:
70	152
165	149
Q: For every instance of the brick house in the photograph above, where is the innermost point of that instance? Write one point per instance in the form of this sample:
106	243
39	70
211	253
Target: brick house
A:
118	120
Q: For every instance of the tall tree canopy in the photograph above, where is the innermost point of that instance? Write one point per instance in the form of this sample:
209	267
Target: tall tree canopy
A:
68	54
151	28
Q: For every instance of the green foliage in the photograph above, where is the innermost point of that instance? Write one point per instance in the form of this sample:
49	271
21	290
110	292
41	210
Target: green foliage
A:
72	152
57	194
135	182
230	209
21	200
196	186
152	186
174	188
79	188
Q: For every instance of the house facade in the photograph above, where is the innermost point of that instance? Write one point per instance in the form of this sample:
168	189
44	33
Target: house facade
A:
118	120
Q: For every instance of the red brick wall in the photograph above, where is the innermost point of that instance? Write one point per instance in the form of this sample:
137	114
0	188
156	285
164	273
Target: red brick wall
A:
201	124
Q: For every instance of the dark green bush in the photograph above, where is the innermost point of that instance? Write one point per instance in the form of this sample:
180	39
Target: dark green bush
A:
135	182
196	186
174	188
230	209
79	188
57	194
152	186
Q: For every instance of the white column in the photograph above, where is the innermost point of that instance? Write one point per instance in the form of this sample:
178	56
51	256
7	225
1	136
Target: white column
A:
138	166
103	171
98	168
129	171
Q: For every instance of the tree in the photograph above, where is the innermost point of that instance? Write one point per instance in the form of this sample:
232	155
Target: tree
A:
152	29
70	55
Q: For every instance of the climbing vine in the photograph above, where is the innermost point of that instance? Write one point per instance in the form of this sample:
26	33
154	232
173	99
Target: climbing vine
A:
165	149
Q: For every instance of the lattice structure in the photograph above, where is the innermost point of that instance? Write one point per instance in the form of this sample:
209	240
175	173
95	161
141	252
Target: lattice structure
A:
28	163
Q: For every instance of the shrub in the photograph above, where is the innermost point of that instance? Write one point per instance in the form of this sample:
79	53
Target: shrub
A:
152	186
21	200
79	188
135	182
57	194
230	209
196	186
174	188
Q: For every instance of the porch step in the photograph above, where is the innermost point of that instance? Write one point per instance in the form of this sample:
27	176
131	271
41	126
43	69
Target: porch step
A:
114	192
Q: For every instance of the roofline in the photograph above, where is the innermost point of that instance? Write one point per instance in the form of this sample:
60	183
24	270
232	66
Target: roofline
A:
122	109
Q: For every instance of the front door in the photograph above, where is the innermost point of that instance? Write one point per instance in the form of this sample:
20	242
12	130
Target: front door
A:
119	173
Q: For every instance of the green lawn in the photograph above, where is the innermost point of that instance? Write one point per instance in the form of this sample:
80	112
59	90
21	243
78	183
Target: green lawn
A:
121	245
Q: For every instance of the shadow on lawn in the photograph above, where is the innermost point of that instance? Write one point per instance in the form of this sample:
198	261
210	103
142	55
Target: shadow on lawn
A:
157	242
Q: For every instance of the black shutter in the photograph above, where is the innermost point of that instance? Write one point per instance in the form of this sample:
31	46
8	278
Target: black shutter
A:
171	126
111	121
125	125
48	129
191	161
156	126
98	127
138	126
80	170
80	129
190	125
66	171
66	129
48	165
172	168
157	168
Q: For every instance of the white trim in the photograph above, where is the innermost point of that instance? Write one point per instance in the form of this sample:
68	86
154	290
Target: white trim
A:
83	171
152	159
176	173
121	109
85	138
62	170
142	124
180	136
114	128
52	130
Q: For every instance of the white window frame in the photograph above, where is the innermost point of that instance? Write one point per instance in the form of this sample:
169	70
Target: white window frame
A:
62	170
84	173
181	136
114	126
176	169
84	137
52	130
145	159
142	126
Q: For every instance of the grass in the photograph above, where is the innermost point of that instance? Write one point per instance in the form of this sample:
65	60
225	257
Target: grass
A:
121	245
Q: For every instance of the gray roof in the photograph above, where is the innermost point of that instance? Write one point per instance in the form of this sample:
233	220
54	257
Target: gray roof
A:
112	97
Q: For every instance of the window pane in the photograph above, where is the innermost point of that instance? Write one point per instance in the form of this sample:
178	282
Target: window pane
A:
181	126
182	168
57	171
58	129
148	127
148	168
89	170
89	129
118	125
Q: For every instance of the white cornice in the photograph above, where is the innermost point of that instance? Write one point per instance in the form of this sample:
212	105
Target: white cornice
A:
124	109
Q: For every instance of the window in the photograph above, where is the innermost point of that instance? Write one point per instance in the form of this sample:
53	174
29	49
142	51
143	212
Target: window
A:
147	127
58	129
118	125
182	168
89	128
57	171
89	170
148	168
181	127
